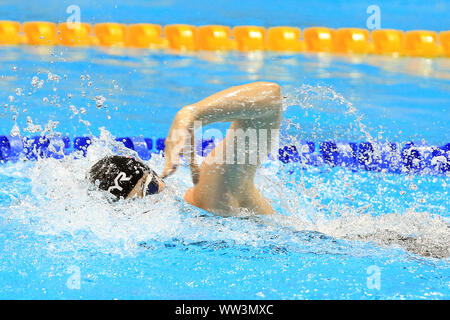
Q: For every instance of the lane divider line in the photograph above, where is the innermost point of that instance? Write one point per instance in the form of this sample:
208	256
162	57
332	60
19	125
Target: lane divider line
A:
182	37
410	158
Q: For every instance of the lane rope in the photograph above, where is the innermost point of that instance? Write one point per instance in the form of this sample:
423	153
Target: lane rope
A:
181	37
411	157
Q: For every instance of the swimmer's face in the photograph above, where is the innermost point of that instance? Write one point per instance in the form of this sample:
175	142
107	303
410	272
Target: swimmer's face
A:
148	184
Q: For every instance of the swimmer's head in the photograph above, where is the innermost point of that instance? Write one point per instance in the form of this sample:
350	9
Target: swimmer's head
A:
125	177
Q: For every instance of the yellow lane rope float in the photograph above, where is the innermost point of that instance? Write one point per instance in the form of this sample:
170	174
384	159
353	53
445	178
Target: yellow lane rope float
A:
183	37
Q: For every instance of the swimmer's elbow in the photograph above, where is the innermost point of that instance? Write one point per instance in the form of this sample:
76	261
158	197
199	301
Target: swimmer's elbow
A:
276	99
271	95
270	89
275	87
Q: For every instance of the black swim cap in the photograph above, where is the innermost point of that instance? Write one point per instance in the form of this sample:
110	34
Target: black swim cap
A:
118	174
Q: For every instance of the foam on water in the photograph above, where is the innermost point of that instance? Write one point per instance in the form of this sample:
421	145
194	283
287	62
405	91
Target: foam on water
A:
62	203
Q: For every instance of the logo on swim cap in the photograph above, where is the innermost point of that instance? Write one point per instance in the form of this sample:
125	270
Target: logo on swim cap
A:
117	174
120	178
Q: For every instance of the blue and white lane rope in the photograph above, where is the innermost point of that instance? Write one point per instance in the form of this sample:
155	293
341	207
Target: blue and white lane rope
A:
371	156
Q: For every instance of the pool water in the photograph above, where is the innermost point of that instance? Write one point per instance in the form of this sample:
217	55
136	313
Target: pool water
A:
339	234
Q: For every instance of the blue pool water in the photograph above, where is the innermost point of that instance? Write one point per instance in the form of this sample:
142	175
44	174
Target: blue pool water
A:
339	234
395	14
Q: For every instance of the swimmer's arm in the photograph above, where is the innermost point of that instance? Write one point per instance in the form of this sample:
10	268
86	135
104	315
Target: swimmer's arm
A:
258	100
258	104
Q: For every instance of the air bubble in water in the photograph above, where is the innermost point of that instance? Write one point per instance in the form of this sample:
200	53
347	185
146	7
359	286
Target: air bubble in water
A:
36	82
31	127
73	109
53	77
99	101
15	131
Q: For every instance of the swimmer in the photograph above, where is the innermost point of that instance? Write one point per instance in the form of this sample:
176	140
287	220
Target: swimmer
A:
223	184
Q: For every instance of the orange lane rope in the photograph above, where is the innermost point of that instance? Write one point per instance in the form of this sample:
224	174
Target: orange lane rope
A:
223	38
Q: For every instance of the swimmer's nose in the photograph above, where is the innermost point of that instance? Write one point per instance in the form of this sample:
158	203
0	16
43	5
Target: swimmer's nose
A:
161	184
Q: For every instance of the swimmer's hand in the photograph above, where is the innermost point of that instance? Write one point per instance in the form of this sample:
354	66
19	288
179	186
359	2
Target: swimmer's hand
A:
181	141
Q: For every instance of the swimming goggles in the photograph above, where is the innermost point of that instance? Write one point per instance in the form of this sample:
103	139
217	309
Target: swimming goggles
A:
151	184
